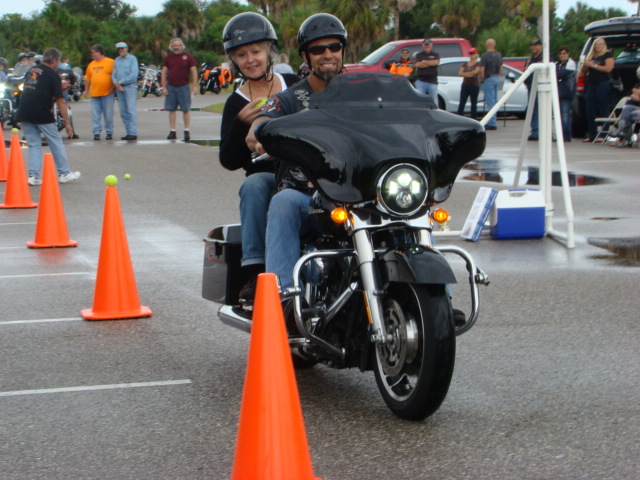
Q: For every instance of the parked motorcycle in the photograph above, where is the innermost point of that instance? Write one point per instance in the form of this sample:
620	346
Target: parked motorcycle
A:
214	78
370	290
11	95
152	82
77	85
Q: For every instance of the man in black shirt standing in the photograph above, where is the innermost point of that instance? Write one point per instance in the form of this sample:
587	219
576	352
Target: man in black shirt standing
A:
43	87
426	63
536	57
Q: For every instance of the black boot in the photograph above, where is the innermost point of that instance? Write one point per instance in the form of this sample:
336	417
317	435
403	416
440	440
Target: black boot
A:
248	292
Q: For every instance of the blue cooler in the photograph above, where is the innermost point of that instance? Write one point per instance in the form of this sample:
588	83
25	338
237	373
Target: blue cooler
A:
518	214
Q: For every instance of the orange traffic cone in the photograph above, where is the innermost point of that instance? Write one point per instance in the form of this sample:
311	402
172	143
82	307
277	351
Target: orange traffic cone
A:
116	294
272	443
16	194
4	162
51	226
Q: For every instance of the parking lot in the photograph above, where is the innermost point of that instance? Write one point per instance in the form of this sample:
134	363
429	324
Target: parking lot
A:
545	385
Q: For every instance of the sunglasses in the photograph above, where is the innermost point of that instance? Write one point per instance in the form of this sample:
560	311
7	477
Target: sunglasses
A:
320	49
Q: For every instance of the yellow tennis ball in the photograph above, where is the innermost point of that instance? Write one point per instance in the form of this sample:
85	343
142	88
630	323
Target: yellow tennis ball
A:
127	176
111	180
261	102
15	130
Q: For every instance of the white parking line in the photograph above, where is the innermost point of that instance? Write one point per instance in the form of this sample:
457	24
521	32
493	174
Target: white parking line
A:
45	275
43	320
16	393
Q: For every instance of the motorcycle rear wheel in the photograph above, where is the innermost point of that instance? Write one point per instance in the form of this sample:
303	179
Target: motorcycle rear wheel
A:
145	91
414	371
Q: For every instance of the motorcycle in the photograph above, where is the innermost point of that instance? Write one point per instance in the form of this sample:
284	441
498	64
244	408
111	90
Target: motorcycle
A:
152	82
370	289
214	78
10	92
68	79
77	85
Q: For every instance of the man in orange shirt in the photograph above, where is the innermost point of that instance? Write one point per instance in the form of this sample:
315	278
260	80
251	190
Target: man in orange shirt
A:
99	84
403	66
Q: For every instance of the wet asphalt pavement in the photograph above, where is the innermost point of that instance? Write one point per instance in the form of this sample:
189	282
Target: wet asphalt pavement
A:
546	385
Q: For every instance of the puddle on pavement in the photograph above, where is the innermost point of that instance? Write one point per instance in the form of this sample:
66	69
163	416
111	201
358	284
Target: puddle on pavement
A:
488	170
193	109
207	143
626	250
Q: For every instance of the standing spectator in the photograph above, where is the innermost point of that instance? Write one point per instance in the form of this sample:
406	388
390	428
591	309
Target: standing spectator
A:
42	88
99	84
124	77
283	66
536	57
597	66
177	67
491	63
566	75
470	88
426	63
403	66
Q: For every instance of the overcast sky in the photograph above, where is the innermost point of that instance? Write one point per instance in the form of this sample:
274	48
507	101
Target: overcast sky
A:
152	7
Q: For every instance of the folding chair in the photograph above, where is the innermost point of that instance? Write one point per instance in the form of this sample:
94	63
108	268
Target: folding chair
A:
605	123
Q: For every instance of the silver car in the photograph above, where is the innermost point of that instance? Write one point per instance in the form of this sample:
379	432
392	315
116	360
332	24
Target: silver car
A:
449	89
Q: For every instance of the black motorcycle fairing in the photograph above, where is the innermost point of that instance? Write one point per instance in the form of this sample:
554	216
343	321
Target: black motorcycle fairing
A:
424	267
362	122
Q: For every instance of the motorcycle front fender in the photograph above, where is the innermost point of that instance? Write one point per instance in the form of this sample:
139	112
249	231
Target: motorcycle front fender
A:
426	266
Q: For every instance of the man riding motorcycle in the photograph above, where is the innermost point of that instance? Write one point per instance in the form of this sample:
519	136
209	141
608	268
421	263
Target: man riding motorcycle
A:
322	39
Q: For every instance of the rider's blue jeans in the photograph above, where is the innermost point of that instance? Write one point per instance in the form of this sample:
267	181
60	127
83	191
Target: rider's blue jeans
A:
255	194
50	132
288	219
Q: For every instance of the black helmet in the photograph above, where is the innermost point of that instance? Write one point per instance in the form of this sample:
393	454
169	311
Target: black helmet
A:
3	61
37	59
21	56
320	25
246	28
31	54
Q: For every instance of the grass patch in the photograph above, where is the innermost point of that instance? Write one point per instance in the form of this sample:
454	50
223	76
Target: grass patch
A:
215	108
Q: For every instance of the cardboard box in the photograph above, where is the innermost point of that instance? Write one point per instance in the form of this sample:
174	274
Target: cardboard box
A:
518	213
478	214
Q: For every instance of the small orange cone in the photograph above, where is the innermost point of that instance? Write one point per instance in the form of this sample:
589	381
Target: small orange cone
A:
51	226
116	294
16	194
272	443
4	162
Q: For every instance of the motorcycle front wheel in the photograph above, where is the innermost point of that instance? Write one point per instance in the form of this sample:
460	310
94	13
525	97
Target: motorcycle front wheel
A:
203	89
414	370
145	91
158	92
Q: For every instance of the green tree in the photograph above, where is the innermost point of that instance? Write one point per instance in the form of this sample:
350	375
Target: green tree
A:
184	18
457	16
55	27
100	9
149	37
365	20
510	39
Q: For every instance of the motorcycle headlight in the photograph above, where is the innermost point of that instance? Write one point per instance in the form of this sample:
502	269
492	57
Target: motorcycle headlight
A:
402	190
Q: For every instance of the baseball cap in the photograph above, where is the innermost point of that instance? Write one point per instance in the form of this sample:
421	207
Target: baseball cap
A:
427	41
473	50
536	41
121	45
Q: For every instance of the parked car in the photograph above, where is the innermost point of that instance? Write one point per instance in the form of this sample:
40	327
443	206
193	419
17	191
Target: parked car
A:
449	89
622	35
381	59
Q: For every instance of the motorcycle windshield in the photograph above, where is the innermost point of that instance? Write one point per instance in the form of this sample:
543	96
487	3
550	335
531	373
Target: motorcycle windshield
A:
362	123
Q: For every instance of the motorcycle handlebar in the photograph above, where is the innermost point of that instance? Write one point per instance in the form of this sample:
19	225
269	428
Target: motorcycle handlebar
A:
256	157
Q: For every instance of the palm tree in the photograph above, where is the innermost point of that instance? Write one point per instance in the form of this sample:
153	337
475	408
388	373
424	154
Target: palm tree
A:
184	17
398	7
454	16
365	21
148	34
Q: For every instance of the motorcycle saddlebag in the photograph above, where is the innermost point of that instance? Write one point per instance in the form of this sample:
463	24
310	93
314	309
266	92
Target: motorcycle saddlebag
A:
222	277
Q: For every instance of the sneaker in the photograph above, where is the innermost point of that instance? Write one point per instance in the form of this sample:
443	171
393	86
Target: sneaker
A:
96	137
490	127
75	136
109	137
129	137
34	181
69	177
187	136
248	292
172	135
532	138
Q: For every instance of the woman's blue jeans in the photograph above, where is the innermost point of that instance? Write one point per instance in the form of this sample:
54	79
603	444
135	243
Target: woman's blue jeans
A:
255	194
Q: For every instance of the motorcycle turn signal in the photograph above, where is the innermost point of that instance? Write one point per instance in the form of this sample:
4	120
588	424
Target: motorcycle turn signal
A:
440	215
339	215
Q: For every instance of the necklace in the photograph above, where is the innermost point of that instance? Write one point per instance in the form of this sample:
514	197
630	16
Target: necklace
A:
268	94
